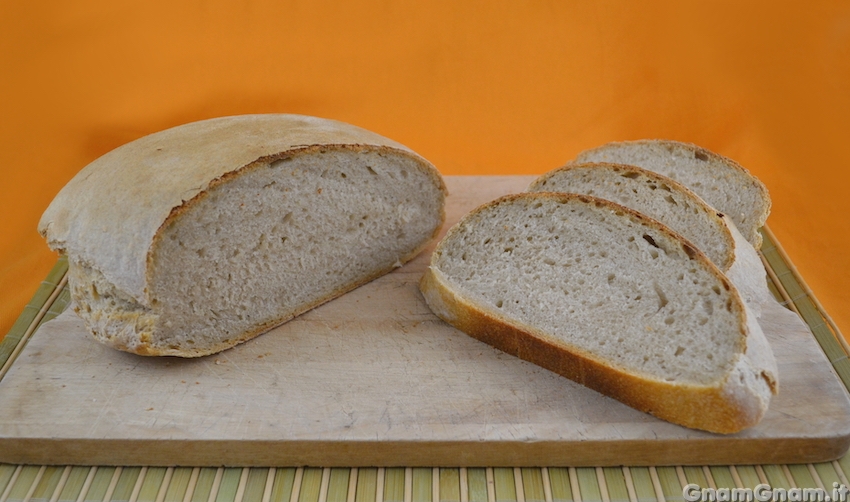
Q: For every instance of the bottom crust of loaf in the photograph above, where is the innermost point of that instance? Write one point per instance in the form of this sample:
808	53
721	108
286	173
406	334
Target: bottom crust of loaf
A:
115	319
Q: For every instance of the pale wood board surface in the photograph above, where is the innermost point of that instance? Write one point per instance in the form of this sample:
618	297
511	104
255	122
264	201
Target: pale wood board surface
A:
374	378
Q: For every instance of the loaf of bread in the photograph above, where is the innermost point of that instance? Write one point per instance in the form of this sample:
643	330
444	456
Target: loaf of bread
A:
674	205
721	182
610	298
194	239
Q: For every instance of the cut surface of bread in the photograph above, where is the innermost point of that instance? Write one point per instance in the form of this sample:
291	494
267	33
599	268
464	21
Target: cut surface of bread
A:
721	182
209	246
674	205
610	298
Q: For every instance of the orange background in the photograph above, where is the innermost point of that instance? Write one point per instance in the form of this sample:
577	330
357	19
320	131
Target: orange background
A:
478	87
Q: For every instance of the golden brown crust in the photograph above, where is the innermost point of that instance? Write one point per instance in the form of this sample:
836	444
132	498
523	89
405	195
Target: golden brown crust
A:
697	407
714	408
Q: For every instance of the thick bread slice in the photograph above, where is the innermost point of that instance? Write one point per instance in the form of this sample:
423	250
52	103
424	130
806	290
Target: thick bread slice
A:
674	205
191	240
610	298
720	181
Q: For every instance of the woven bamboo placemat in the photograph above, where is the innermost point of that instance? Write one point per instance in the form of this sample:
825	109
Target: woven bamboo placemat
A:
19	483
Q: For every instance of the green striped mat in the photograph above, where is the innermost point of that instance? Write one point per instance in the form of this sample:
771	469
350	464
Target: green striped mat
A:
32	483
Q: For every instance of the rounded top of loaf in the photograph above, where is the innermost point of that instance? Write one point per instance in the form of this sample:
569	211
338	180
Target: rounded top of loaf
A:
108	215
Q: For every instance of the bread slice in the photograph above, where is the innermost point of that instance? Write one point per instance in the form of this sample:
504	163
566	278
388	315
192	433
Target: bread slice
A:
609	298
674	205
194	239
720	181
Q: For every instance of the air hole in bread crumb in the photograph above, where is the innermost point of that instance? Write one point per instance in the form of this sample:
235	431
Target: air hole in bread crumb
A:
649	239
670	200
668	321
630	175
611	278
662	297
372	171
548	261
499	303
702	322
287	217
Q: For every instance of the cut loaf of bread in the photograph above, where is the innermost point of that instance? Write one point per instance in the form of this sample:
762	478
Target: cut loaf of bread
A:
607	297
194	239
674	205
721	182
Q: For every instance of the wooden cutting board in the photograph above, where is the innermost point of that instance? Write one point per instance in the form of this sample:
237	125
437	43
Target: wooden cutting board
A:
374	378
